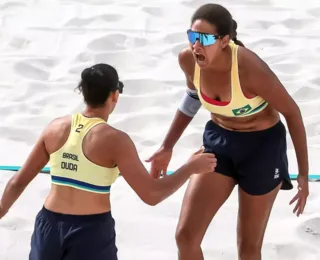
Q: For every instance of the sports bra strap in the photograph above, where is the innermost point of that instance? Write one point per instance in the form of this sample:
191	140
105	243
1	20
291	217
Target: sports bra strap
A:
196	76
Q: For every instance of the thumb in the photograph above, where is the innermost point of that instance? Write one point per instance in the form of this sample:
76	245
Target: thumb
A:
201	150
150	159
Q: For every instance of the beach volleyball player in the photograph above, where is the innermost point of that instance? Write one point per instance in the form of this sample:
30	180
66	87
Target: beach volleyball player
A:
245	133
86	156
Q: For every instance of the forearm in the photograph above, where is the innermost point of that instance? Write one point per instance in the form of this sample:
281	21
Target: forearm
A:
299	139
179	124
164	187
11	193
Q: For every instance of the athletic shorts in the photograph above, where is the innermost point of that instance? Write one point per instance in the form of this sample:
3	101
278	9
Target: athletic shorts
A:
73	237
256	160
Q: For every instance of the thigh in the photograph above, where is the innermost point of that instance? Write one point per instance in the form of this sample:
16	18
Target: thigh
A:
205	194
91	241
45	240
266	166
253	216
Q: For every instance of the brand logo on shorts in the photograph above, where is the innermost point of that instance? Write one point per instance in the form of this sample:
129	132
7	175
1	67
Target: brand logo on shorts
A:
276	174
242	110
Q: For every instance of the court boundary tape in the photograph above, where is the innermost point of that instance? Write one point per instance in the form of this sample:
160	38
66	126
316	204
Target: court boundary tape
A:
46	170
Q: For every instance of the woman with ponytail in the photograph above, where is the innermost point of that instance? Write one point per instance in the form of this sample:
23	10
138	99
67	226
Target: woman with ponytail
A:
245	99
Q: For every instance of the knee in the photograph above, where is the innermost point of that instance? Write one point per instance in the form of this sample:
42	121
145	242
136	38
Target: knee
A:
185	237
249	250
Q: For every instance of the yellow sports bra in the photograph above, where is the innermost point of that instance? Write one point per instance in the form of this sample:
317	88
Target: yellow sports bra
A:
70	167
239	106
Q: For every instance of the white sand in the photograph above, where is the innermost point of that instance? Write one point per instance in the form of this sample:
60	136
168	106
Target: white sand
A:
44	45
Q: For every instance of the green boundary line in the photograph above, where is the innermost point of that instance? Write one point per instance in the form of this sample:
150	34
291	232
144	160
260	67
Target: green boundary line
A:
47	170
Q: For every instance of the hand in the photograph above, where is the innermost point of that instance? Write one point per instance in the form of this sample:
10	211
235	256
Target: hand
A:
159	162
200	162
301	196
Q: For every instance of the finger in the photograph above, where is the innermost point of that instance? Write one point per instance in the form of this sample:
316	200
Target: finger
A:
150	159
164	172
212	166
201	150
296	207
157	174
301	207
294	199
154	171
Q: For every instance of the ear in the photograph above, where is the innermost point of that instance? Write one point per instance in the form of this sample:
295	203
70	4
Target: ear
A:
225	41
115	96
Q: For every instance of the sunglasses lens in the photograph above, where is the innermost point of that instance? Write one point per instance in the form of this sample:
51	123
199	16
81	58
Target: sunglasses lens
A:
193	36
205	39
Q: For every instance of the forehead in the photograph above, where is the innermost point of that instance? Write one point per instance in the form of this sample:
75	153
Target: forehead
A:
203	26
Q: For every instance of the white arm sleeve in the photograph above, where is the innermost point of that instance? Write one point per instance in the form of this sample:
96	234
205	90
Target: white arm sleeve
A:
190	104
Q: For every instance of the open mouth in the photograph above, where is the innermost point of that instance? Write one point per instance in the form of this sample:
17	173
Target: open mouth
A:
200	58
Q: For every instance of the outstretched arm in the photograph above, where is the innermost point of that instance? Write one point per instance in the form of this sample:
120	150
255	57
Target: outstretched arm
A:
152	191
37	159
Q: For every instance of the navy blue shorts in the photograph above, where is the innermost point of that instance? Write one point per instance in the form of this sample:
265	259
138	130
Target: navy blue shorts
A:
73	237
256	160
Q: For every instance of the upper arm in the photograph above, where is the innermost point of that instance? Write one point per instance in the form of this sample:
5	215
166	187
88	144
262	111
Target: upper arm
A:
36	160
130	165
186	63
262	81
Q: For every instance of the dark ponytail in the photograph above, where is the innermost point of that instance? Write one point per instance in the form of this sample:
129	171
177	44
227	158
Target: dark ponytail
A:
234	33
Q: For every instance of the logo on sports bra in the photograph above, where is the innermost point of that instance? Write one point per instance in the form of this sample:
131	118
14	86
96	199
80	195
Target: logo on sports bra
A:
242	110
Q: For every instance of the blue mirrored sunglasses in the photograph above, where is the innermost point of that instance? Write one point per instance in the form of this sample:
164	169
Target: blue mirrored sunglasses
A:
204	38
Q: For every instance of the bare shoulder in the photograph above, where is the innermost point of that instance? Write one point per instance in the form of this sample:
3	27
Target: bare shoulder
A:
186	61
250	62
187	64
111	136
58	126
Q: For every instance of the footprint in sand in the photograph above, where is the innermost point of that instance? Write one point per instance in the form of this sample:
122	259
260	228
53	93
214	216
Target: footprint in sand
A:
287	68
93	2
309	230
176	37
178	48
296	23
115	42
259	24
14	134
14	224
194	3
34	69
80	22
19	43
84	57
306	94
315	12
316	81
148	143
153	10
290	251
12	4
265	43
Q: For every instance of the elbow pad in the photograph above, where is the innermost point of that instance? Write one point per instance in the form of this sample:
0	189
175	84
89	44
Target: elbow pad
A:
190	104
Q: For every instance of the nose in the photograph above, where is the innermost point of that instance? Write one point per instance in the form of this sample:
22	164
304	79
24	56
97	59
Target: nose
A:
197	46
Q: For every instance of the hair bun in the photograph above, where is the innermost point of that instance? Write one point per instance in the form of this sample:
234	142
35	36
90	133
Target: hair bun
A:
89	74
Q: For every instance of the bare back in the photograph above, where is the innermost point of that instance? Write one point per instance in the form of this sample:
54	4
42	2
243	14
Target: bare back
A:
97	147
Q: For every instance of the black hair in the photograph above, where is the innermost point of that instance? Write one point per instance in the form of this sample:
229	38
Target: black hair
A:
219	17
97	82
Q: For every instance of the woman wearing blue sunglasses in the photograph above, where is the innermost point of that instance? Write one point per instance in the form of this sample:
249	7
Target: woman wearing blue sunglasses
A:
245	133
